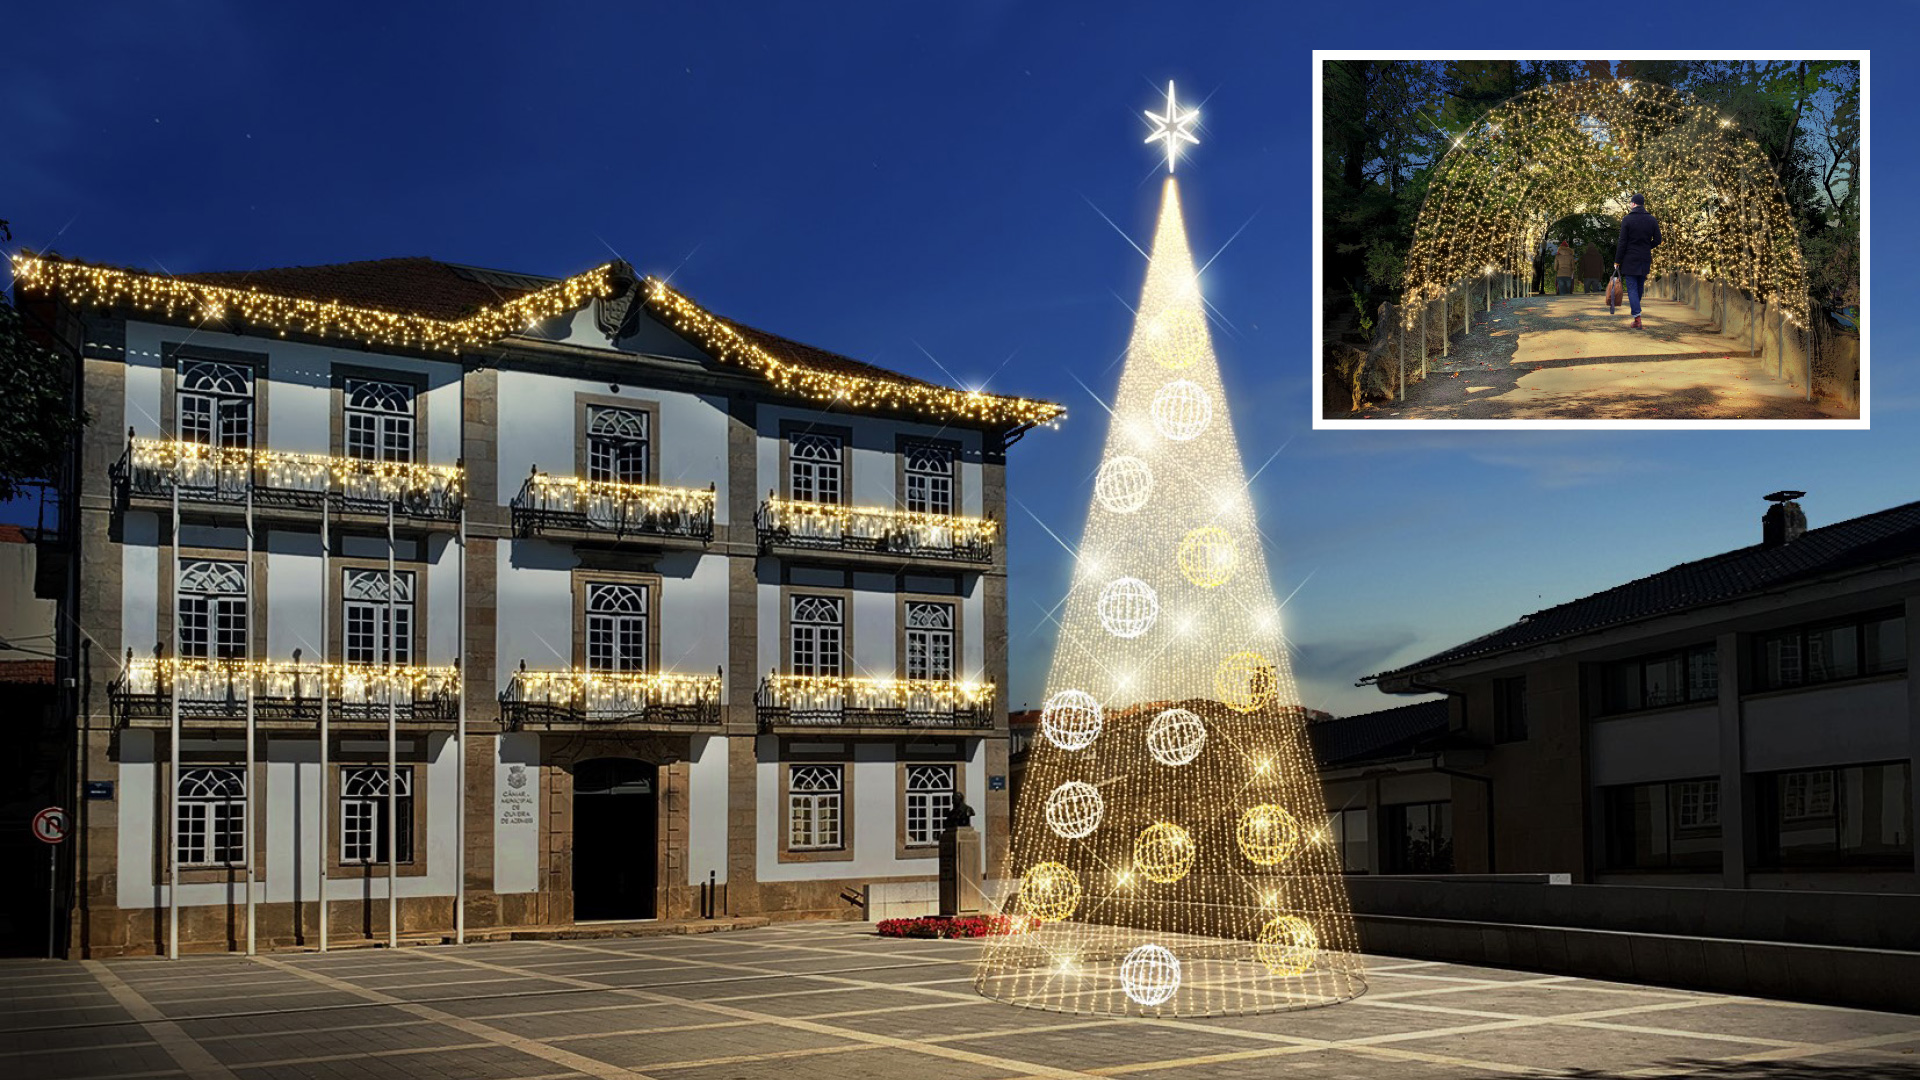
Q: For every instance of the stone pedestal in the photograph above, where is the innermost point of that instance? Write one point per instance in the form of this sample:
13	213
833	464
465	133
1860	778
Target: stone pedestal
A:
960	871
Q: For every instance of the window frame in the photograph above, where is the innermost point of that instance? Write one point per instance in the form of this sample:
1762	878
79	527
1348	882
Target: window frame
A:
815	799
583	409
623	627
908	632
415	382
790	626
234	824
905	449
408	809
1692	689
1398	840
217	644
790	430
1765	682
391	429
407	629
1770	819
585	578
1616	803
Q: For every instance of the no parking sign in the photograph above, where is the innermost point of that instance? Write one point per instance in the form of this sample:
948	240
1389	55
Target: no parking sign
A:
50	825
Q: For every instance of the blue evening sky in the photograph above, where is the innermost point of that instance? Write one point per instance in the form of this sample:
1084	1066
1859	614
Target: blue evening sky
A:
906	181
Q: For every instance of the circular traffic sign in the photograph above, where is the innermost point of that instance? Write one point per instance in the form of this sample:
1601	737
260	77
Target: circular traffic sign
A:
50	825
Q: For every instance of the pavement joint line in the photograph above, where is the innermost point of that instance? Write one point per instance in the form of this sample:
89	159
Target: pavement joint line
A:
622	1033
280	1033
931	1050
193	1059
532	1047
771	1055
77	1049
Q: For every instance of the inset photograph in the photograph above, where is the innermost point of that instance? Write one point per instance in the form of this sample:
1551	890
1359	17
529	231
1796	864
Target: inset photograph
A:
1557	242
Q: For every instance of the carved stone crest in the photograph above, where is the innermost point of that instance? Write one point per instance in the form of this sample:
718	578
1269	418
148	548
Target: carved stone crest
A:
618	313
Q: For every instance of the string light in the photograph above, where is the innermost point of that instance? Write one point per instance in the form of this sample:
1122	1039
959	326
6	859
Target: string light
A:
572	494
858	693
1050	892
1287	945
254	308
611	693
1172	725
1583	147
814	519
1074	809
202	679
1267	834
198	465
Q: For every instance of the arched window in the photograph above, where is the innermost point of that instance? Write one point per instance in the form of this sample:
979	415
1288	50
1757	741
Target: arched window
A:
815	467
363	814
929	478
212	620
817	626
214	403
930	796
379	420
365	608
618	445
929	640
212	817
814	807
616	627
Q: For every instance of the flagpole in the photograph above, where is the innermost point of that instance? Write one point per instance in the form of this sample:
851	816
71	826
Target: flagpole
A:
252	804
326	694
393	753
460	748
173	730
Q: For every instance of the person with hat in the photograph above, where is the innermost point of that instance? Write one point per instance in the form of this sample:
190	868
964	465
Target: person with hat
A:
1633	254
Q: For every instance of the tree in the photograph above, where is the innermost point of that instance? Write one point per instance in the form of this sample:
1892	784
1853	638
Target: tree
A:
40	422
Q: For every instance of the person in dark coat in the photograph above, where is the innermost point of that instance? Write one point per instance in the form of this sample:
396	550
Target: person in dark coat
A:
1593	267
1633	255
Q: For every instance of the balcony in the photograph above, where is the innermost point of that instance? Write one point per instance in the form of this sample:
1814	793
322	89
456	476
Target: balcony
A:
220	479
622	700
870	533
572	508
215	692
793	702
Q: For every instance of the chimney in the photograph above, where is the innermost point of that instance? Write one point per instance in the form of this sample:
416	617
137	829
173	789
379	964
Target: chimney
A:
1784	522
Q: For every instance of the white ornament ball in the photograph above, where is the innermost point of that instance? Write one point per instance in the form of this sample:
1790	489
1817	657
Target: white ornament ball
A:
1123	484
1182	410
1176	736
1074	809
1150	974
1071	720
1128	607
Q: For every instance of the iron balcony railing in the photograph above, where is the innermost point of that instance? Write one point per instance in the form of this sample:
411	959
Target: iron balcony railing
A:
792	523
152	469
567	503
217	690
609	698
845	701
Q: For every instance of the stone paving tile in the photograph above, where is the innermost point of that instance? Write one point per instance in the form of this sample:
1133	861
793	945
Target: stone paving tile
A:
1355	1021
1558	1046
1779	1020
533	1003
1553	1000
836	1000
602	1020
250	1024
1100	1044
488	1063
967	1018
348	1038
78	1064
1312	1065
645	1051
877	1063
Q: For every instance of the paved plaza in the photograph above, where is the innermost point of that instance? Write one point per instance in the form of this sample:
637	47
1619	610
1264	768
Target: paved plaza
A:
832	1000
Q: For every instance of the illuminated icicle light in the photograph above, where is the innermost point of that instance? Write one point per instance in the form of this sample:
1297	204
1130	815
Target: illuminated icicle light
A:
1176	737
1050	892
1150	975
1071	720
1164	852
1207	556
1287	946
1246	681
1267	834
1074	809
1182	410
1123	484
1128	607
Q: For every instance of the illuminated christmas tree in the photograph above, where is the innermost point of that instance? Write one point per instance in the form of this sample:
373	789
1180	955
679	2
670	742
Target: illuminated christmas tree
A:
1170	838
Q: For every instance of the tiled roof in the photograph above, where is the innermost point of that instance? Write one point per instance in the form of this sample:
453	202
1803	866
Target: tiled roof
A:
26	672
1377	736
1886	536
15	534
794	352
413	285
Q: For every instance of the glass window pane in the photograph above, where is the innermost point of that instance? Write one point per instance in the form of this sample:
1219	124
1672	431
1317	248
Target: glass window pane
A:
1886	644
1832	652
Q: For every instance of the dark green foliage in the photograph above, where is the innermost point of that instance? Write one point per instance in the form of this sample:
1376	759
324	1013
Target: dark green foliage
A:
38	421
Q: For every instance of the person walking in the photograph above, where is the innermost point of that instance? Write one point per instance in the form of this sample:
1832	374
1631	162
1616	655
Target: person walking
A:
1565	262
1633	254
1593	267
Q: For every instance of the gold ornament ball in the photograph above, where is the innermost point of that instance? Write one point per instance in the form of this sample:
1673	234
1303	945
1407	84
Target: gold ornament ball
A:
1181	410
1164	852
1287	945
1247	681
1074	809
1267	834
1175	337
1207	556
1050	891
1071	719
1124	484
1176	736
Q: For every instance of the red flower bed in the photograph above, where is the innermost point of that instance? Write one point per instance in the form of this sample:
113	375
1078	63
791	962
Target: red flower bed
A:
956	926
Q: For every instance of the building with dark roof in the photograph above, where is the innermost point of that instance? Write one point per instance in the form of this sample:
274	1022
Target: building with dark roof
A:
420	598
1745	720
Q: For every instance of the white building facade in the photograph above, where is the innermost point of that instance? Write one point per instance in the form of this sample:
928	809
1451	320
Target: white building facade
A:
469	600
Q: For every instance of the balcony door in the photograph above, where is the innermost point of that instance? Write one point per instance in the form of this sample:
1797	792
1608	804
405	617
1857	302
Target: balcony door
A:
616	856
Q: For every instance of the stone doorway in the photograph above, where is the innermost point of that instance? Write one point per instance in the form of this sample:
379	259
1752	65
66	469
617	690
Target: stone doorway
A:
615	839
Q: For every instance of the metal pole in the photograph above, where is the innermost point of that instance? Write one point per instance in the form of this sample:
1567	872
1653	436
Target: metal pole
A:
1426	314
1403	357
393	756
1446	326
53	894
246	830
460	753
326	695
173	754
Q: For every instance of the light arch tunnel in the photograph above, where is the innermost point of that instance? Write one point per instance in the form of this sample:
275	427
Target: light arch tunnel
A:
1587	146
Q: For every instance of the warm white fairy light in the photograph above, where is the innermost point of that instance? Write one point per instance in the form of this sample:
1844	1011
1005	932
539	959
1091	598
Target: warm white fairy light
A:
1181	721
1074	809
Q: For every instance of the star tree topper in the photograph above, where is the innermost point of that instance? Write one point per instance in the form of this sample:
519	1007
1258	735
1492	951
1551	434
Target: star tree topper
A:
1172	128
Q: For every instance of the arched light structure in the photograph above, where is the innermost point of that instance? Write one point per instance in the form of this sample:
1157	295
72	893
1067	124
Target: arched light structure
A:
1585	147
